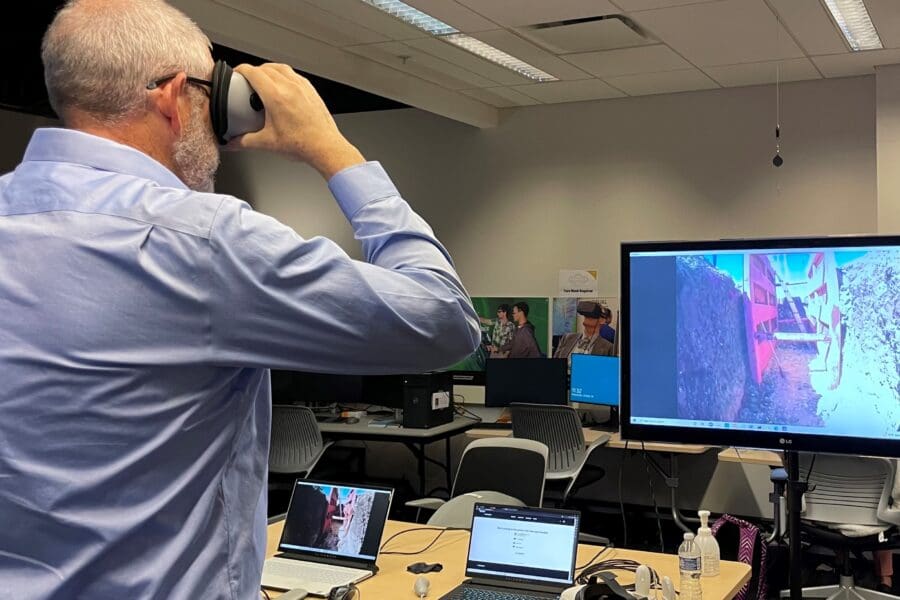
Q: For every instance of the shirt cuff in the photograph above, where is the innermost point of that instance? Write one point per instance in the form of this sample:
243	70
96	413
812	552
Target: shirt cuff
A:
356	186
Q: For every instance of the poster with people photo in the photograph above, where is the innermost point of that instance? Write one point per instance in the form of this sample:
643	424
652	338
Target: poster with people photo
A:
585	326
511	327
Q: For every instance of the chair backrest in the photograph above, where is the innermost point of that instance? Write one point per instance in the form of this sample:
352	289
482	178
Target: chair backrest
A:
296	439
847	490
513	467
458	511
556	426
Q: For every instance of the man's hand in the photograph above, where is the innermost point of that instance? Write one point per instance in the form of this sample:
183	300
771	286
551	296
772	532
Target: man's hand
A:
298	123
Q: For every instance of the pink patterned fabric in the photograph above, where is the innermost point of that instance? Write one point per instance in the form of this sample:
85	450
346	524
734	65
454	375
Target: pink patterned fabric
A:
749	537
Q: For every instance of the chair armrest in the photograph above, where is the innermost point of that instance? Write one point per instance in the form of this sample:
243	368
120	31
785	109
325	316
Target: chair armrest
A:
601	440
276	518
594	540
427	503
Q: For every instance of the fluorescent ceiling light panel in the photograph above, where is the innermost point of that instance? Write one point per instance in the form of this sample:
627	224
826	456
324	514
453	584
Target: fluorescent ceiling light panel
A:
425	22
854	21
412	16
488	52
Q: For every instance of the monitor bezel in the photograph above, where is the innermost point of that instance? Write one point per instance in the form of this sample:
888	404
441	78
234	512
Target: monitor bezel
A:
804	442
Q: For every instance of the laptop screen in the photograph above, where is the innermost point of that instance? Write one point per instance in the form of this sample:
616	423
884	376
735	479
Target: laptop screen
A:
535	545
328	519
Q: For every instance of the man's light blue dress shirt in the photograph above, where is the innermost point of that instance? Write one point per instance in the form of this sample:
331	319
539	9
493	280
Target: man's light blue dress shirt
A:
137	323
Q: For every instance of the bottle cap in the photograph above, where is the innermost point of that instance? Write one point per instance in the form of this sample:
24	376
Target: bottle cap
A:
688	537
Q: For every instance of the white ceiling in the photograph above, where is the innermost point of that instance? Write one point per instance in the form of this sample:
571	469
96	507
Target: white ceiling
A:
686	45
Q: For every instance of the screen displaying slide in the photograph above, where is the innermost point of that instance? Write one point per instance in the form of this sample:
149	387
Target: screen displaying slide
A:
524	544
780	340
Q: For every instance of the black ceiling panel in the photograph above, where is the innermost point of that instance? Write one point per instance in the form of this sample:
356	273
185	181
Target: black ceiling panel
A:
22	79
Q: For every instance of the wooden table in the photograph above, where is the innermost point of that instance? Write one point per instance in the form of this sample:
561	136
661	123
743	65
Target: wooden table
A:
414	439
751	457
393	581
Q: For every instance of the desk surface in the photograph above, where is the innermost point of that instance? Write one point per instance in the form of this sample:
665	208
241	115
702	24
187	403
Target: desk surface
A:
363	430
393	581
751	457
615	441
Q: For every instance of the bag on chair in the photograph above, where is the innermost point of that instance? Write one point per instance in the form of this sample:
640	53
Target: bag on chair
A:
743	542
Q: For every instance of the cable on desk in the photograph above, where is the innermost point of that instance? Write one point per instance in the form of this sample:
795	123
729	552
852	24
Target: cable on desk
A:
265	593
617	564
662	544
593	558
621	500
738	453
442	530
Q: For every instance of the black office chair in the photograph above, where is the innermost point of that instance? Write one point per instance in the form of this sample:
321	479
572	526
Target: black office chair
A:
559	427
296	445
512	467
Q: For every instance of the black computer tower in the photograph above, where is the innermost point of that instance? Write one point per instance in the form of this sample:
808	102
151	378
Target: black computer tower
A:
427	400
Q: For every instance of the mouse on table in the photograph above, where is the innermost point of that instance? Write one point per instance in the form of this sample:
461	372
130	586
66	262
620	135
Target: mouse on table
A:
294	594
351	420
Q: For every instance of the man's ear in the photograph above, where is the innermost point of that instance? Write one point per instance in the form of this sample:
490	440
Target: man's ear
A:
165	99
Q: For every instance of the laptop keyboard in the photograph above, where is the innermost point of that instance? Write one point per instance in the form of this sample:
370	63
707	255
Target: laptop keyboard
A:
471	593
306	572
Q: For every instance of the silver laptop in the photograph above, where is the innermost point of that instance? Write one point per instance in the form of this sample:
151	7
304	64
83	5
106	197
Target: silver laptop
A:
519	553
330	538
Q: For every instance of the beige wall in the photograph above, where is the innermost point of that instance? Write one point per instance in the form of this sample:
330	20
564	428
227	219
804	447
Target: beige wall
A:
560	186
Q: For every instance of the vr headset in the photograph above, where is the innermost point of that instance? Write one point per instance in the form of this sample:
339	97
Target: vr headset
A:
235	108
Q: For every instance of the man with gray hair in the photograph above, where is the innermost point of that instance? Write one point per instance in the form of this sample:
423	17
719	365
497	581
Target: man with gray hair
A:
141	313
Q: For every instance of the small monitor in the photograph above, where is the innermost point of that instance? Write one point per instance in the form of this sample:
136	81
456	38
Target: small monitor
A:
311	389
529	380
595	380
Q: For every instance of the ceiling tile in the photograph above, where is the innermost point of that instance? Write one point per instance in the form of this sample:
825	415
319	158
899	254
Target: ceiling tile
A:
468	61
500	97
662	83
418	63
721	33
886	18
453	13
370	17
569	91
855	63
635	5
308	20
629	61
530	53
797	69
529	12
811	25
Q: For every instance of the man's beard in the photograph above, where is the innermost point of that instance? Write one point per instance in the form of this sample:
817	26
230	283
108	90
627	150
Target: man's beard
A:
196	154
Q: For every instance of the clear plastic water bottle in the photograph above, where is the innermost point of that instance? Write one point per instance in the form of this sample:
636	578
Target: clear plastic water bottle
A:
689	565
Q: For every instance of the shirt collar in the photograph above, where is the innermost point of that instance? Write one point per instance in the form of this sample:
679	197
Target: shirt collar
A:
52	144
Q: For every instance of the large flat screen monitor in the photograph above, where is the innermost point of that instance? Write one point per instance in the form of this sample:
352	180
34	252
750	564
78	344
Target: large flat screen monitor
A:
530	380
780	343
595	380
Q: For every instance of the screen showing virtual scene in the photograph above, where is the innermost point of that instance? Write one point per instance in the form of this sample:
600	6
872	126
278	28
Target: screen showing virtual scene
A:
336	520
800	341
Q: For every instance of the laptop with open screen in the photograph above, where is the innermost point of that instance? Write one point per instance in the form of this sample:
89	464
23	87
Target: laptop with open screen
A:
519	553
331	536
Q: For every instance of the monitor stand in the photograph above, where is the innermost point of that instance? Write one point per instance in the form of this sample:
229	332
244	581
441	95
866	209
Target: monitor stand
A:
796	487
